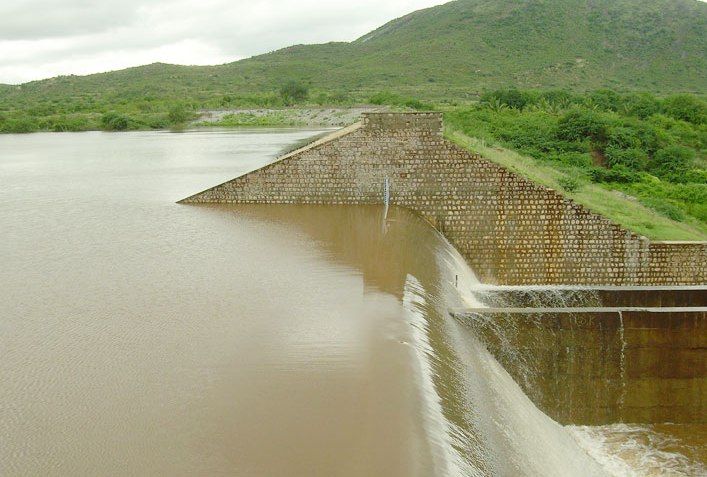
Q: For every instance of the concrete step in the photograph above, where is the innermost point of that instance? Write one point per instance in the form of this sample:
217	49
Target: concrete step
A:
602	296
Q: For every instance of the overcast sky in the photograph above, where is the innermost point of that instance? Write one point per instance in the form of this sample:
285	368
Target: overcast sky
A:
45	38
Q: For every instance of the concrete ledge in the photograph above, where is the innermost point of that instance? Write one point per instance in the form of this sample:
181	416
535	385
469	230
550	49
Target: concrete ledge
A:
575	311
602	296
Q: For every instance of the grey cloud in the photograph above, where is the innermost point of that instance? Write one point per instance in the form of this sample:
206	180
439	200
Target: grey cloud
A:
38	19
50	37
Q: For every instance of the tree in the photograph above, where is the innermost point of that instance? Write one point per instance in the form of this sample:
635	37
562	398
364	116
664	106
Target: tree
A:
673	162
510	97
580	124
686	108
293	92
179	114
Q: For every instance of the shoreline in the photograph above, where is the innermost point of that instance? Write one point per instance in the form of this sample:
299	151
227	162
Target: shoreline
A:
295	117
306	117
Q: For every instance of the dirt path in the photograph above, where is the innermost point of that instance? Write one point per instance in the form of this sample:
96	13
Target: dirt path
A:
293	116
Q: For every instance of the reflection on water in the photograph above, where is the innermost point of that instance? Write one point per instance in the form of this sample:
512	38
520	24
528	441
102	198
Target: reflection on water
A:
143	337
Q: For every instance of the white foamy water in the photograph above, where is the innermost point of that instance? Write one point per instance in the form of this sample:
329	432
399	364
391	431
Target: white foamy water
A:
626	450
512	436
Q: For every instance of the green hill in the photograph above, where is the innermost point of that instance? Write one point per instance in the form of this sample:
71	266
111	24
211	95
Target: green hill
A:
654	44
454	50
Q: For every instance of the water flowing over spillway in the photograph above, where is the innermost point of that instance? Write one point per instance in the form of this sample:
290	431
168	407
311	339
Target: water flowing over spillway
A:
139	336
496	430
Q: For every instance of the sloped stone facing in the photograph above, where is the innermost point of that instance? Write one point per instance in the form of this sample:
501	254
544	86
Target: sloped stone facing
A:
510	230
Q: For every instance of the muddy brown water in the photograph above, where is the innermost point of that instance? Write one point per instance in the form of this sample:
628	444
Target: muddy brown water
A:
142	337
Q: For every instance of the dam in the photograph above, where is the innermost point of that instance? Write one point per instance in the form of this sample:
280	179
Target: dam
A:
510	230
596	324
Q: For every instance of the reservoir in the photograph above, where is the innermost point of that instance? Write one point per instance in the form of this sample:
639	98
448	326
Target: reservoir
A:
143	337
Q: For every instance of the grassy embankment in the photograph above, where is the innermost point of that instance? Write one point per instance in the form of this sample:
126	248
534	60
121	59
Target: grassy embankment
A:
637	159
623	209
248	119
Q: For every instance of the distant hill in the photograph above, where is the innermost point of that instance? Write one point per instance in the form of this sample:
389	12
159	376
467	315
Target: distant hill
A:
453	50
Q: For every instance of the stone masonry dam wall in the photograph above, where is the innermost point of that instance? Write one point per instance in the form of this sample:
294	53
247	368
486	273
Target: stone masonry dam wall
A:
510	230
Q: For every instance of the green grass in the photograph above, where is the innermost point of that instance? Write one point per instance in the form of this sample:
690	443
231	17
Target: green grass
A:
625	210
270	119
619	154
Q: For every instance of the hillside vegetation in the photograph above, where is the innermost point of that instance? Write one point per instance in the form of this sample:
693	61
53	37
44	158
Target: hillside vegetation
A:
648	152
447	53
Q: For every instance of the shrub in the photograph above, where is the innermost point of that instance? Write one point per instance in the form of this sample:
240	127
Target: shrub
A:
383	97
339	98
418	105
557	97
633	158
697	176
321	99
605	99
575	159
665	208
673	162
179	114
512	98
69	123
580	124
623	138
686	108
20	125
570	184
158	121
294	92
680	131
113	121
392	99
651	137
640	105
619	174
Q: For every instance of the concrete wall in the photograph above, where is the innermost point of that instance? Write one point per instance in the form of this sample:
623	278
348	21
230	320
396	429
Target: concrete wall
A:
589	296
598	366
510	230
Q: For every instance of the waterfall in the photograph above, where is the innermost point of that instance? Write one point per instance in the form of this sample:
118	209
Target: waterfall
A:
479	420
505	432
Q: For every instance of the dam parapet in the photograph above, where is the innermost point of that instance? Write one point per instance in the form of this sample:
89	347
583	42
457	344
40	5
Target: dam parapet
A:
510	230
